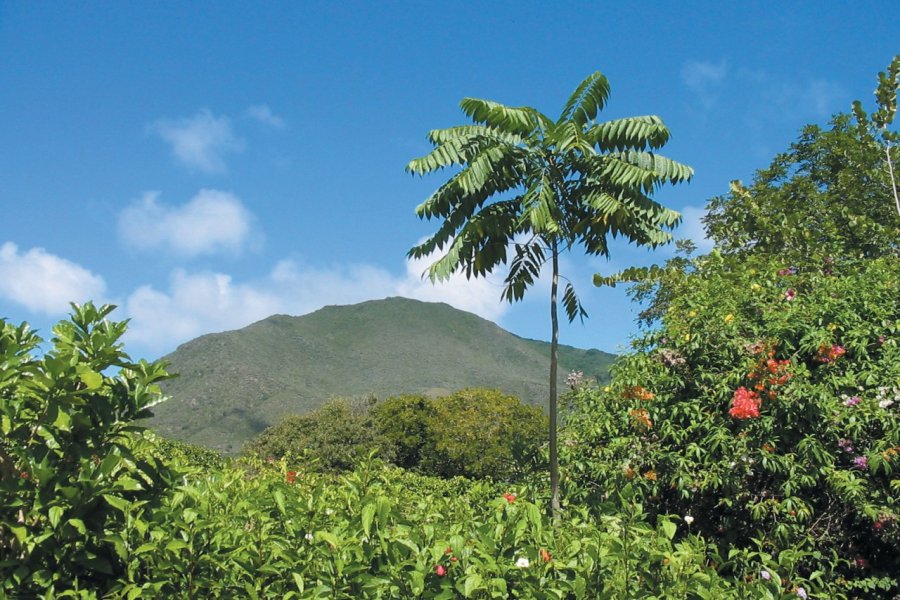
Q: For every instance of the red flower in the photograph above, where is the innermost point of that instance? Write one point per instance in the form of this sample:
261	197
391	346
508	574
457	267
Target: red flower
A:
24	475
291	476
449	550
744	404
440	570
545	555
510	497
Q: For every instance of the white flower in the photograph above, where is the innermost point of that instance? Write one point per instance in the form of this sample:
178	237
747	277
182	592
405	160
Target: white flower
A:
329	511
523	563
885	403
688	519
309	537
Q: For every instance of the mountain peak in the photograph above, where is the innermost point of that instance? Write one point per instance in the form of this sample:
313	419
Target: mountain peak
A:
234	384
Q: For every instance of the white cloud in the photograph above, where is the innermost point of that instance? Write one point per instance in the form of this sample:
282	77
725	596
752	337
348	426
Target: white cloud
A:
199	303
264	114
478	295
212	221
705	79
200	142
692	228
45	283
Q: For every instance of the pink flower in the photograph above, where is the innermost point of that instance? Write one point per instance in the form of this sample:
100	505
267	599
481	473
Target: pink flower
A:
790	294
861	462
852	401
744	404
440	570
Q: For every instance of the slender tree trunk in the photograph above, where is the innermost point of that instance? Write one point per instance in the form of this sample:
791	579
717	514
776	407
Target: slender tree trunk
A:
890	165
554	360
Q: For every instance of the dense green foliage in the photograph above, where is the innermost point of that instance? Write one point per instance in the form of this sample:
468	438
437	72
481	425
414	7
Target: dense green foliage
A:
767	401
70	458
233	385
541	187
768	413
88	510
476	433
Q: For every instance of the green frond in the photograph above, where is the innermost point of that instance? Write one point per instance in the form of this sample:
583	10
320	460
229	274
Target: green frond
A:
524	269
630	275
662	167
587	100
473	132
570	136
572	304
634	133
539	207
521	120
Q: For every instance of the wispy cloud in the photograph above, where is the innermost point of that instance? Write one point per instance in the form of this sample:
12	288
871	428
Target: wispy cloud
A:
705	79
692	228
211	222
264	114
200	142
45	283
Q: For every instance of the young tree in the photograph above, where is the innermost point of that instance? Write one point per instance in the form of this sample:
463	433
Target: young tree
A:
537	187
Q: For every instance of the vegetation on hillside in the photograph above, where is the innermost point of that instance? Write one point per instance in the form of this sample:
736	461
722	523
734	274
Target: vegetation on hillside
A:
233	385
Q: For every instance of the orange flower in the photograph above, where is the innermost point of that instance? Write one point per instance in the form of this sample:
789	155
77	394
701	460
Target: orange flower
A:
629	472
651	475
637	392
545	555
768	447
641	417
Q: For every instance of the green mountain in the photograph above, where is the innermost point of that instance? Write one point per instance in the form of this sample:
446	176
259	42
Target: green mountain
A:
232	385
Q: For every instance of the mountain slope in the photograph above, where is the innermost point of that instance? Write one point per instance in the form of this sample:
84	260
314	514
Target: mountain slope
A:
234	384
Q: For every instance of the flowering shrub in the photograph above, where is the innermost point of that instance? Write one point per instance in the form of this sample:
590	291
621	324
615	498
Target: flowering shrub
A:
778	424
744	404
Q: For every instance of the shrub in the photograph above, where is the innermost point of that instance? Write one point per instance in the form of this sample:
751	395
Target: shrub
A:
334	436
766	405
483	433
71	460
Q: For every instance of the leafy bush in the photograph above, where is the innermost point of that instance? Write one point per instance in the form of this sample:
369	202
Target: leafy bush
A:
70	460
335	436
475	433
385	533
483	434
767	405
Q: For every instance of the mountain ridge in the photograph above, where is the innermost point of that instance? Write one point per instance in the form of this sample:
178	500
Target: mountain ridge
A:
235	383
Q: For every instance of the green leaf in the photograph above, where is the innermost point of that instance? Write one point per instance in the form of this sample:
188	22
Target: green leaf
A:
473	583
55	514
368	515
669	528
90	378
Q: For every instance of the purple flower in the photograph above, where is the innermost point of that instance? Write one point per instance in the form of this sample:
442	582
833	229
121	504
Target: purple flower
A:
861	462
852	401
845	445
802	593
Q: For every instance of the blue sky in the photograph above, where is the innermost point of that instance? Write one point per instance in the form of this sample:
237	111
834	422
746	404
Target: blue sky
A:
203	165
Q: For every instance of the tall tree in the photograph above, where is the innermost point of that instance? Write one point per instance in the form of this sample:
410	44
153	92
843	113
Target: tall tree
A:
529	188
